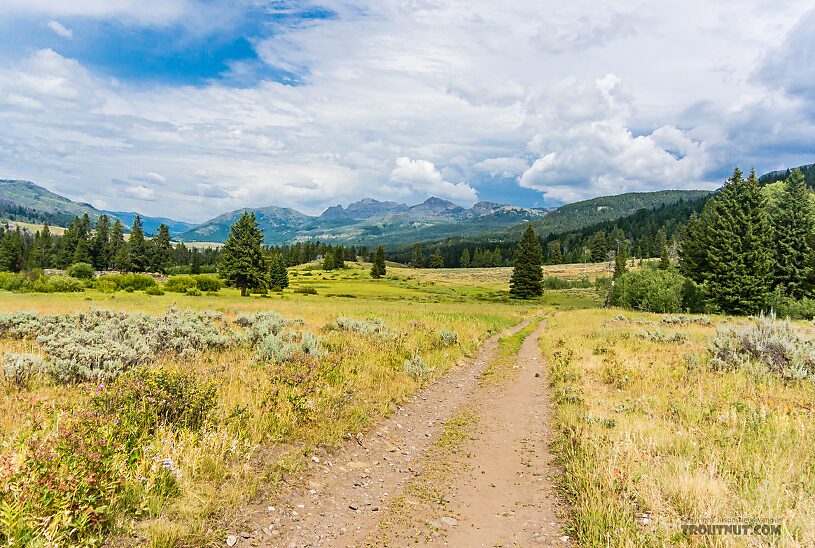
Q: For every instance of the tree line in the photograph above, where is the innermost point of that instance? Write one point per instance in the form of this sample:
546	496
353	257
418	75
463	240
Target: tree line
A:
753	246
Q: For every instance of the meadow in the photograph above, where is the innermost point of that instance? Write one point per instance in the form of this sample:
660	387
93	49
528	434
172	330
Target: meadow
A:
86	461
224	396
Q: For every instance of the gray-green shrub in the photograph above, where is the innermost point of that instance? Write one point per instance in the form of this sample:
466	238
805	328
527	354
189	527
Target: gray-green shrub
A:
774	344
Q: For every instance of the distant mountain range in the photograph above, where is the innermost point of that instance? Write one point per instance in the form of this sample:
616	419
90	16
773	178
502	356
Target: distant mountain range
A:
370	221
367	221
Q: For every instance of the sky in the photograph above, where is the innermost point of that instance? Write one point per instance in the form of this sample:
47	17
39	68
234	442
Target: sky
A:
189	108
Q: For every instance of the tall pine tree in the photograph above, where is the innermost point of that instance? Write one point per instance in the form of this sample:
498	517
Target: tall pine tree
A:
161	250
137	245
527	276
793	225
242	264
378	268
739	247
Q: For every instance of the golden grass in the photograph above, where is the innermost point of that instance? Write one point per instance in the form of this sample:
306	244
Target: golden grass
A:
651	438
260	427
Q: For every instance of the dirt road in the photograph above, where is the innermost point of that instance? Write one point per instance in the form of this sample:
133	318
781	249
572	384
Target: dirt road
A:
464	463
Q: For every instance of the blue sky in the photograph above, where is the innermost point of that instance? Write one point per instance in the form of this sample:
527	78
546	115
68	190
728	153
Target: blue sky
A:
188	108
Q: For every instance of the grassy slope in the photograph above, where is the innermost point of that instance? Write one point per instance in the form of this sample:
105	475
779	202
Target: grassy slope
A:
650	437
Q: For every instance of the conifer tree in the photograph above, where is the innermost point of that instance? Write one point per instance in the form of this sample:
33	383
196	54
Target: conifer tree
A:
464	261
598	247
339	257
278	275
138	247
378	268
162	250
82	252
738	242
436	259
693	259
793	225
12	258
117	242
555	252
195	261
100	250
418	256
329	260
527	276
121	261
241	263
43	248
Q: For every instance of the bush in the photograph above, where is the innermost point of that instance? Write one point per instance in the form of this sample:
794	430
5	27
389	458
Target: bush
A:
306	290
82	271
100	345
19	369
180	284
553	282
147	399
280	348
785	307
448	338
55	284
183	284
208	283
776	345
193	292
372	327
127	282
417	369
155	291
649	290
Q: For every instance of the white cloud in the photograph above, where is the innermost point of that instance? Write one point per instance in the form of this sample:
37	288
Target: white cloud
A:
408	99
141	192
60	29
419	177
502	167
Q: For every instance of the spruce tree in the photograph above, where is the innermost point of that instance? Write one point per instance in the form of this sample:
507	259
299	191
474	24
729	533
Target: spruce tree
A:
121	261
464	262
739	246
527	276
339	257
161	250
117	242
693	252
378	268
555	252
436	259
793	225
139	260
278	274
195	261
242	264
418	256
598	247
101	244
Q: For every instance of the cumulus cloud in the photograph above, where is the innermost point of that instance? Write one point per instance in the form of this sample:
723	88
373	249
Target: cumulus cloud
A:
590	155
60	29
408	99
420	177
